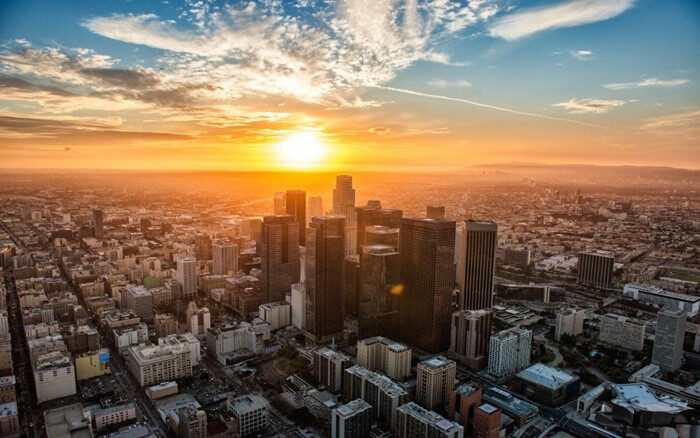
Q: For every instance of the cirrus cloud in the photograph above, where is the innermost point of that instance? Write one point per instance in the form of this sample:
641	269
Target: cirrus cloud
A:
583	106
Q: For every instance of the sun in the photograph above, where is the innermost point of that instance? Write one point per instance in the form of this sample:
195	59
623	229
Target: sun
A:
301	150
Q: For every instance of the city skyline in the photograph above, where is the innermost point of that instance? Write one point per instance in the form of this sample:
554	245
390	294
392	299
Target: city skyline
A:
427	86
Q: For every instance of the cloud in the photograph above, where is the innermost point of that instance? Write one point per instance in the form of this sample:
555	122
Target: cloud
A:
567	14
581	55
650	82
677	121
442	83
261	48
582	106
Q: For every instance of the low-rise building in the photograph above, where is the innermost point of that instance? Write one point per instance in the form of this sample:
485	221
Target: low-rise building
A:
92	364
250	414
54	376
660	297
9	420
68	421
161	390
277	314
109	416
547	385
153	364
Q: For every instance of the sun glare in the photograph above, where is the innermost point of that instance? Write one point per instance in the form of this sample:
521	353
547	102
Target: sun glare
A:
301	150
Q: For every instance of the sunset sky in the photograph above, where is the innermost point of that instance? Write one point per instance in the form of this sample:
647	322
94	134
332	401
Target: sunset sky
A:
432	85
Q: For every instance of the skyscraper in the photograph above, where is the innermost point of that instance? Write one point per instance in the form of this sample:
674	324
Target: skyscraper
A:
224	258
344	204
427	277
325	252
479	265
668	339
315	207
373	214
187	276
279	253
379	274
435	379
595	268
280	204
98	222
296	207
469	340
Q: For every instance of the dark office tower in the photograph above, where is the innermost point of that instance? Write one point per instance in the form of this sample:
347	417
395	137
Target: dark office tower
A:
202	247
381	235
325	252
351	284
435	212
296	207
479	265
279	254
98	222
379	277
373	214
344	204
427	277
595	268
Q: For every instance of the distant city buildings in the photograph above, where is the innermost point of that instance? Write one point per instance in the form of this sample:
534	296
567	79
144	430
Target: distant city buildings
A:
295	201
224	258
187	276
344	205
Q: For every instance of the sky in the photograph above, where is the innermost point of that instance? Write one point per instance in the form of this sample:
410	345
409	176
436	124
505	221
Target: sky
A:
364	85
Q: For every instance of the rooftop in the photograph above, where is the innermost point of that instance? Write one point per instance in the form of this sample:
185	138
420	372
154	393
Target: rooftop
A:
353	407
638	396
489	409
437	362
543	375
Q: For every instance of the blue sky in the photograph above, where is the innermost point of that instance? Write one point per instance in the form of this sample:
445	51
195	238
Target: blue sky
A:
608	82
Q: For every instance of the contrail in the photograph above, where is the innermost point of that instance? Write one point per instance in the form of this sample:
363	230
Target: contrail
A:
484	105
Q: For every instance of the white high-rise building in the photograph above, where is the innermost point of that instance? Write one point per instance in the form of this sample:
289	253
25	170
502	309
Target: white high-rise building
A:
509	351
344	204
198	320
668	339
224	258
569	322
298	302
187	275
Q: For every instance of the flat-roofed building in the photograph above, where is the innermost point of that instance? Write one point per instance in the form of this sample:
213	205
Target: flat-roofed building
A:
668	339
54	376
70	421
509	351
328	367
351	420
140	300
416	421
152	364
462	401
161	390
250	414
435	380
384	355
378	390
487	421
277	314
668	299
569	322
113	415
547	385
9	420
92	364
8	392
622	331
595	268
469	338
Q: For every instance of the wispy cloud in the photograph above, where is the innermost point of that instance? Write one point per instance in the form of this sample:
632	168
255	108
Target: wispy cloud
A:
582	106
582	55
486	105
567	14
442	83
650	82
677	121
